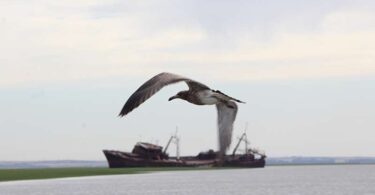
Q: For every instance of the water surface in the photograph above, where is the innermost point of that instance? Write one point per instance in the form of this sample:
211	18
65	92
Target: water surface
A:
280	180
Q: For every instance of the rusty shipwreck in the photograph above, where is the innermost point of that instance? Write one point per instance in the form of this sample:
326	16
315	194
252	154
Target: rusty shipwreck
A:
151	155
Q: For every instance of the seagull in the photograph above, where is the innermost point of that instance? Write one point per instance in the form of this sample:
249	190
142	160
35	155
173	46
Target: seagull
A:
198	94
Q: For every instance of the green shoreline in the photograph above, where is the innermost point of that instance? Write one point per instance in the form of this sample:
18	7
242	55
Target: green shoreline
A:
49	173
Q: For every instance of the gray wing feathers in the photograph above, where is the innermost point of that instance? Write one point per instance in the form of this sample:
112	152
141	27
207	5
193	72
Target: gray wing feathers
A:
225	119
152	86
196	86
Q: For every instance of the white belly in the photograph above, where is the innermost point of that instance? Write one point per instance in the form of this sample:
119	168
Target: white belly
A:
207	98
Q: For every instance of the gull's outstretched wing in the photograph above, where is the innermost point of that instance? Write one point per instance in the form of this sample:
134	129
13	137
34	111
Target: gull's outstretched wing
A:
226	114
153	85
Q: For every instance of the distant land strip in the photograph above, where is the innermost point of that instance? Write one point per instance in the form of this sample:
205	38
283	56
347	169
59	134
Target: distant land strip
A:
298	160
292	160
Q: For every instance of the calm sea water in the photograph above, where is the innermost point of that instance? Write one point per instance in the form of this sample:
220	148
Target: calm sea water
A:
286	180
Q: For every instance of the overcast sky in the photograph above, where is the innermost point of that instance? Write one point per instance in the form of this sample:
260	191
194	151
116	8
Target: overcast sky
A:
305	68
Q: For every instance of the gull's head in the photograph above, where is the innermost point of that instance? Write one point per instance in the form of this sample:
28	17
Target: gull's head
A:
181	95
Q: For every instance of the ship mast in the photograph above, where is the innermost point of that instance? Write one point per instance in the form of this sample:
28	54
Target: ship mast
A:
175	140
243	137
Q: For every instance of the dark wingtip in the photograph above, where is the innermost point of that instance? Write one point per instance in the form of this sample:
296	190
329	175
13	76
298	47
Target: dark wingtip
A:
239	101
122	114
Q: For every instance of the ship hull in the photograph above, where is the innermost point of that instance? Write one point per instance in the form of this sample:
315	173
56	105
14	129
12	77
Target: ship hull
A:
119	159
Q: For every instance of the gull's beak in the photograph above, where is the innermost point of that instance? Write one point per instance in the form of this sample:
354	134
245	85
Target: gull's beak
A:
173	97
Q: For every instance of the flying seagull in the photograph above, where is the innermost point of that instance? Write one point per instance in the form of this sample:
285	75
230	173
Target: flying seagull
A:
198	94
